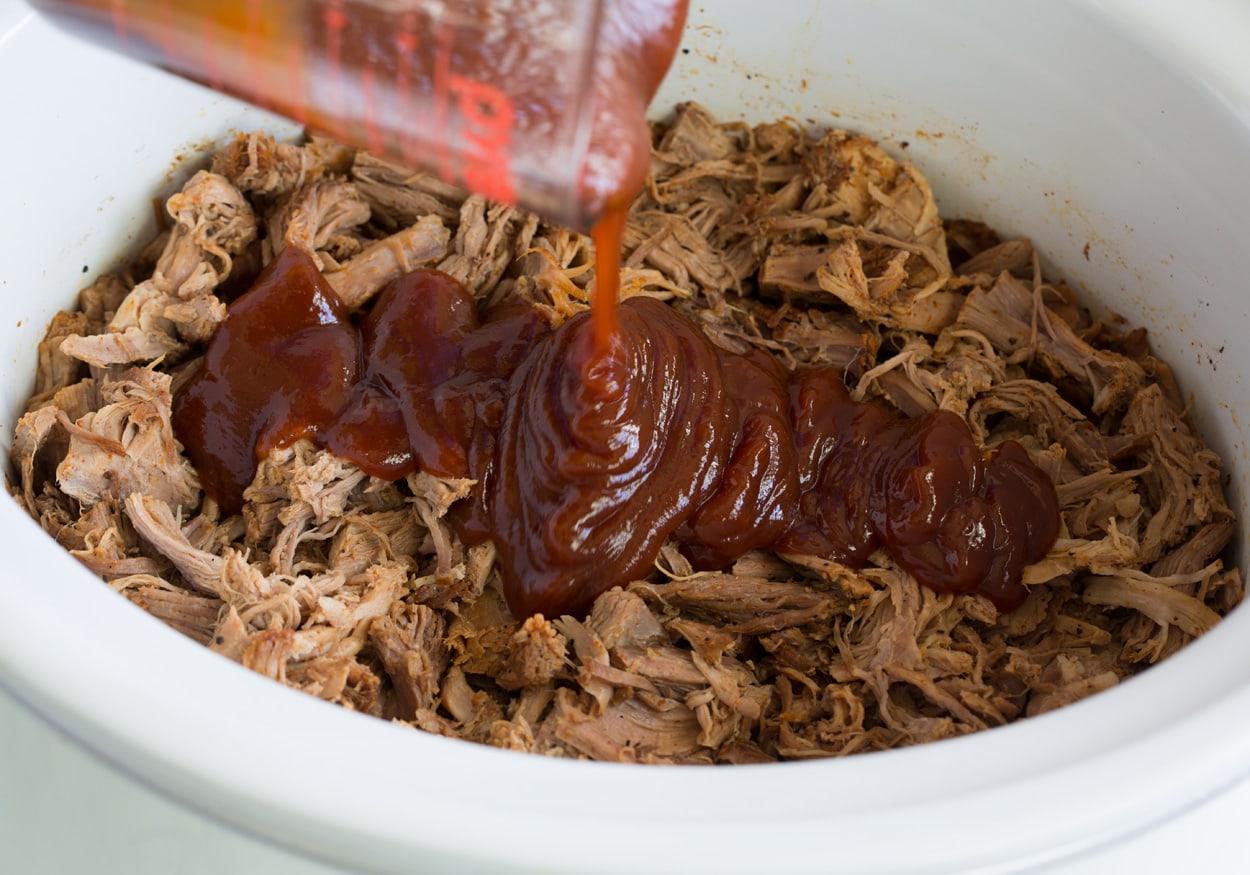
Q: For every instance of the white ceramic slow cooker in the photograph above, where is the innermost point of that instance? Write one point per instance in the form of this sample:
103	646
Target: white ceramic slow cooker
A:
1115	134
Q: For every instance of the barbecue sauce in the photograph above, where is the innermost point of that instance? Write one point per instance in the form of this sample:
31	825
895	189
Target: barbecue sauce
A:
588	455
278	369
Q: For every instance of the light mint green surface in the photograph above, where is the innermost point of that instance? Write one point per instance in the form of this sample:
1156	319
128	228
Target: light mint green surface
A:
65	811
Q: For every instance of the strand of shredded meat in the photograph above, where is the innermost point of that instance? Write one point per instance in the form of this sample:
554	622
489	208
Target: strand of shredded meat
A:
817	247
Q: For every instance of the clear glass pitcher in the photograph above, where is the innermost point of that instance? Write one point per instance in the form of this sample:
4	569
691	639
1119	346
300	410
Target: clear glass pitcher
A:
537	102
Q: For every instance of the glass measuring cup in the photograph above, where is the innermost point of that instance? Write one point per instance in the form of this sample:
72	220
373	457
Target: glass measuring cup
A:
536	102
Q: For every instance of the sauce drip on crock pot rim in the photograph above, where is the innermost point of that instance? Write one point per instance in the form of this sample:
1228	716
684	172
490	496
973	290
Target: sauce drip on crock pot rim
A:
590	454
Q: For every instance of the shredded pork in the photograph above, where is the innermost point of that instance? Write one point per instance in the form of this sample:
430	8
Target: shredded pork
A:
816	247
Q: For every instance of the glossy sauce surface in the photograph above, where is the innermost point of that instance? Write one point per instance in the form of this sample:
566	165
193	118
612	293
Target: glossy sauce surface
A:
589	456
278	369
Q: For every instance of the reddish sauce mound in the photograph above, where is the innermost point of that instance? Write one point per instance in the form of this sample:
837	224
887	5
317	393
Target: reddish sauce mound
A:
604	454
277	370
589	455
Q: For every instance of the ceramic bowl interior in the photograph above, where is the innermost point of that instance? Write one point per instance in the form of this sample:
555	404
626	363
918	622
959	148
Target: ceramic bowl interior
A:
1097	129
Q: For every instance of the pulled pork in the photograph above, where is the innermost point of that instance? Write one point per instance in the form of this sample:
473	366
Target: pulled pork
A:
820	249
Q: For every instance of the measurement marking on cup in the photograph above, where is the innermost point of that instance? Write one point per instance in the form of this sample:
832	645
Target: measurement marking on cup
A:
488	116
